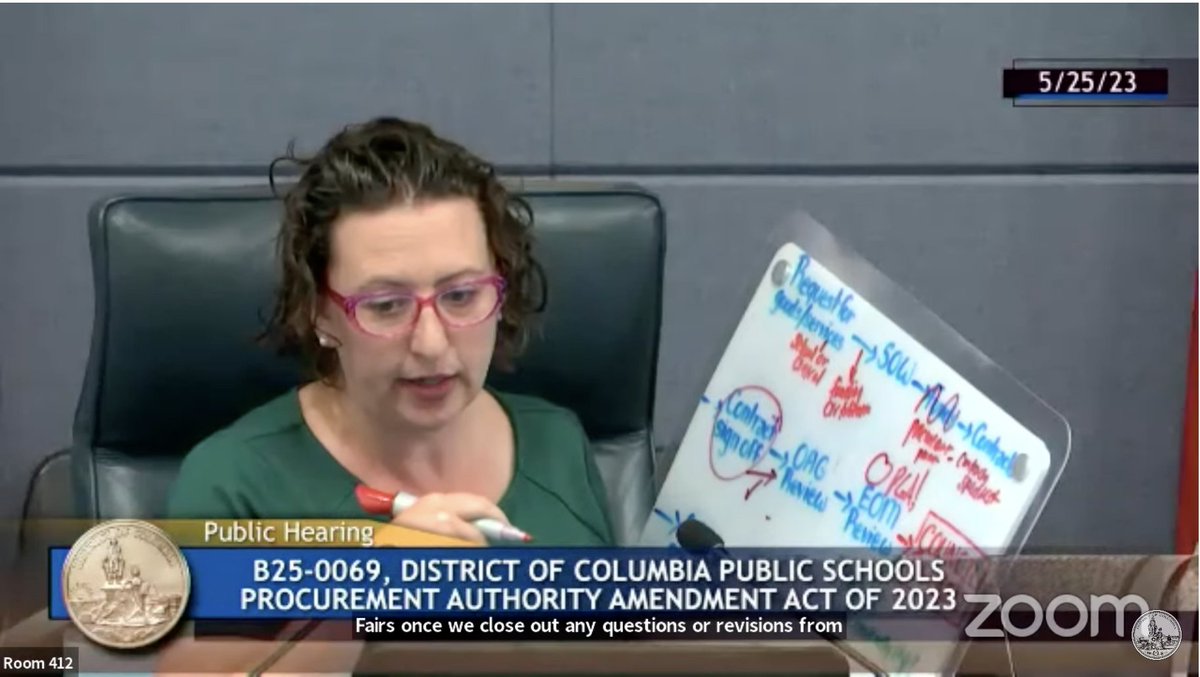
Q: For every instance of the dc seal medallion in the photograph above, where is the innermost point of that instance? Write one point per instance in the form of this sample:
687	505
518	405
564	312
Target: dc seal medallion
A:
125	584
1156	635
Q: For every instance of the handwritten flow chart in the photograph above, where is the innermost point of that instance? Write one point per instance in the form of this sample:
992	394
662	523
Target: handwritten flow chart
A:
827	425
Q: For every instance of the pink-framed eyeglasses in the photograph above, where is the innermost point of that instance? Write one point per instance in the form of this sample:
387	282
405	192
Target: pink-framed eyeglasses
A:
389	314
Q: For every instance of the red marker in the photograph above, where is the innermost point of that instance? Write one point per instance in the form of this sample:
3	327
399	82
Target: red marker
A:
376	502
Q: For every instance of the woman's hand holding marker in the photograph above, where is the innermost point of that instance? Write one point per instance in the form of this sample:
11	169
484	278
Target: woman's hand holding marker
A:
465	516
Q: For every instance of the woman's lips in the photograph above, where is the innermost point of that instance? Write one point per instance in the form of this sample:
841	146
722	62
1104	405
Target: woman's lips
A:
429	386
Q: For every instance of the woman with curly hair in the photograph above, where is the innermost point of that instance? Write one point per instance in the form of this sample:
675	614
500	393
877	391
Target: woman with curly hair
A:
406	275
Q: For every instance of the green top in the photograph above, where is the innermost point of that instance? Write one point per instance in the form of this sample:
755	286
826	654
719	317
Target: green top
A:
268	465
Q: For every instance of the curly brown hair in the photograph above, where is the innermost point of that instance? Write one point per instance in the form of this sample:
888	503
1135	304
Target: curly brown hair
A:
370	166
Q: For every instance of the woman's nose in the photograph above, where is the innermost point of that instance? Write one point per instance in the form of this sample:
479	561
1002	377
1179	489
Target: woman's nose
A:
429	335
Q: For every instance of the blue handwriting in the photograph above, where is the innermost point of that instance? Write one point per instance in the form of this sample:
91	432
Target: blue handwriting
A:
989	446
674	520
936	410
891	360
816	295
813	299
867	520
745	447
807	494
948	414
805	459
804	319
748	415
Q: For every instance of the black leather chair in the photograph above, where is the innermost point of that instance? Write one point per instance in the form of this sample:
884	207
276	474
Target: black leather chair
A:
183	282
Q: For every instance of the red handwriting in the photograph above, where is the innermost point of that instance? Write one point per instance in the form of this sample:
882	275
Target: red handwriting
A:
963	562
764	478
946	412
810	362
978	490
900	482
745	426
975	481
845	397
939	538
973	469
924	455
926	438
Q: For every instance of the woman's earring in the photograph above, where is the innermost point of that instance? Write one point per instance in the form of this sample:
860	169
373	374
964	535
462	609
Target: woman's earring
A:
324	341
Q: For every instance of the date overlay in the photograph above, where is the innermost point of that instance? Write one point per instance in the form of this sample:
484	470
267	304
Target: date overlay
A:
1060	83
39	661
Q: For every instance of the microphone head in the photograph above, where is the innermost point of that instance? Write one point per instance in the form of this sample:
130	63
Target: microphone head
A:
696	536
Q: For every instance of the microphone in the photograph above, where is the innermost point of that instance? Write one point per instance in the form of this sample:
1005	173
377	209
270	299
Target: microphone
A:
698	538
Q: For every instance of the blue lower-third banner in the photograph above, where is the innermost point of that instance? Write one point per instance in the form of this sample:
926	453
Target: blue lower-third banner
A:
275	583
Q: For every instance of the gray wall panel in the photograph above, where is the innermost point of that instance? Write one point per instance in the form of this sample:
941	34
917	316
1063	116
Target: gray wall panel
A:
47	331
1080	287
230	85
820	85
1027	264
1028	271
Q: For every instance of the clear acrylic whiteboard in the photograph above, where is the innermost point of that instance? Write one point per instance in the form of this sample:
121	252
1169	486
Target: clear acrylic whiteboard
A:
844	414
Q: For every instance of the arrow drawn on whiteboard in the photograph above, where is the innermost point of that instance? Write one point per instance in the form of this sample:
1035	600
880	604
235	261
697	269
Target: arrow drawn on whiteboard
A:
868	348
673	520
847	499
764	478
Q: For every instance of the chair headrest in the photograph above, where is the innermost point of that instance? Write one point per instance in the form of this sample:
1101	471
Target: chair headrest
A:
184	284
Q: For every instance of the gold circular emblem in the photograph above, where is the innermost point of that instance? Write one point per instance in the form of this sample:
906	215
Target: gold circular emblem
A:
125	584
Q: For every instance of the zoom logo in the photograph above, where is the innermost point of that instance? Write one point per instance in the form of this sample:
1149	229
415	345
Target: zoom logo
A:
1024	615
